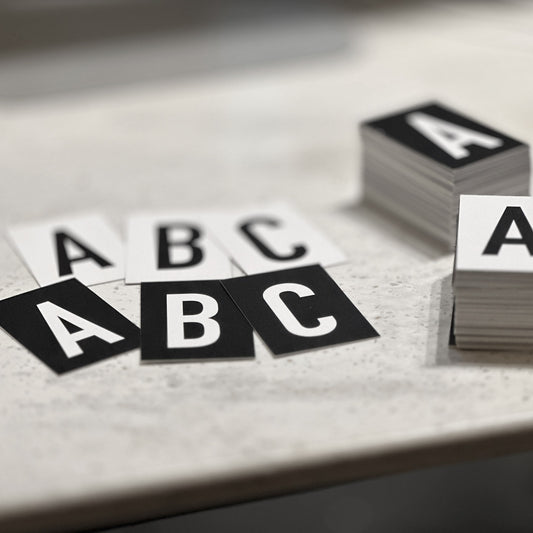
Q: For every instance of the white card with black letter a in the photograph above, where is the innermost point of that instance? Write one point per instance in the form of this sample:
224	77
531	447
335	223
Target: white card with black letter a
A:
495	234
172	247
298	309
192	320
67	326
85	247
273	237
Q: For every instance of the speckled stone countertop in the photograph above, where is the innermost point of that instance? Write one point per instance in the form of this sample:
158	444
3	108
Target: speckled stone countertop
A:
119	440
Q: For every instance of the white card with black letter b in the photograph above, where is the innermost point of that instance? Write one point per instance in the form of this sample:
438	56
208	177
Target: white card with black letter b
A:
495	234
83	246
192	320
172	247
272	237
67	326
298	309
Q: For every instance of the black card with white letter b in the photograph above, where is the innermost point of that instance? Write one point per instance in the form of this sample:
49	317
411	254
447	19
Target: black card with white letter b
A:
298	309
67	326
446	136
192	320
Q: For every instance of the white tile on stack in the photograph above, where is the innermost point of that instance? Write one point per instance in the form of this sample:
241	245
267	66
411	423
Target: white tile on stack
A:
420	179
493	284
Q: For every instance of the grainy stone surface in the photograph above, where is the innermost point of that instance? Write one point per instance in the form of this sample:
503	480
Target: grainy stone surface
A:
278	132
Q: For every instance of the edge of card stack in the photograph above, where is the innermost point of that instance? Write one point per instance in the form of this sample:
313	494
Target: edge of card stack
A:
424	192
493	311
493	308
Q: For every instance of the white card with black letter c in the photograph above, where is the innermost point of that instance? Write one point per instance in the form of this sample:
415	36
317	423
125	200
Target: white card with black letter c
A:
84	246
172	247
495	234
272	237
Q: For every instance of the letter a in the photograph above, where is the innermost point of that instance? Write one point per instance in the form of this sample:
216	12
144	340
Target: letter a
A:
55	315
64	260
450	137
499	237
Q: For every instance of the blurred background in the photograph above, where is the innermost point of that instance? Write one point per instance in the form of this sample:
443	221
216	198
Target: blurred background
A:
214	90
53	47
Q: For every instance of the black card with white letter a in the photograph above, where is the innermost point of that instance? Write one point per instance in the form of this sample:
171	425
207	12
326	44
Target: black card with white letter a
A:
67	326
192	320
298	309
443	135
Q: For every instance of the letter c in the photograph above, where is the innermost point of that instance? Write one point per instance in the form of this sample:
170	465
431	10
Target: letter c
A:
297	251
285	316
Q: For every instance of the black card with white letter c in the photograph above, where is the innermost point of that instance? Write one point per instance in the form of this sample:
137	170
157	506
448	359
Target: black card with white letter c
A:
192	320
67	326
298	309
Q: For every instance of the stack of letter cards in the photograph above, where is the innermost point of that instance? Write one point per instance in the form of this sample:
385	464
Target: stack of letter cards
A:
191	307
493	278
417	162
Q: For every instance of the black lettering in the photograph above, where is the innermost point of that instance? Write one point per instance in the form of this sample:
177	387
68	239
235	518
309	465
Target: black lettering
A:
65	262
164	247
297	252
499	237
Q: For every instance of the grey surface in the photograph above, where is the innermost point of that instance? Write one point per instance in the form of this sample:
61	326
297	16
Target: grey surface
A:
192	435
489	496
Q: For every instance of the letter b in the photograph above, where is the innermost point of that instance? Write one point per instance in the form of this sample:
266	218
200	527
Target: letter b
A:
176	320
165	245
192	320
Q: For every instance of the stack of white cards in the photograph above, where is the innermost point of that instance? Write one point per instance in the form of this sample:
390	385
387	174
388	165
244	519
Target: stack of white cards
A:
416	164
493	278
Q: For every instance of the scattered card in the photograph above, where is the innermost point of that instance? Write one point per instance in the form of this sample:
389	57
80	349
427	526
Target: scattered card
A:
298	309
192	320
272	237
67	326
173	247
84	246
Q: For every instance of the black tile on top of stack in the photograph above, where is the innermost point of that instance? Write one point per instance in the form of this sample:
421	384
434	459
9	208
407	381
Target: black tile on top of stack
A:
417	162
